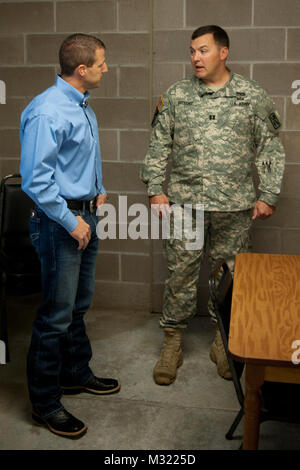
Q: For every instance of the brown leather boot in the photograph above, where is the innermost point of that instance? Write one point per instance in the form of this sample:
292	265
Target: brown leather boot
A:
165	370
218	356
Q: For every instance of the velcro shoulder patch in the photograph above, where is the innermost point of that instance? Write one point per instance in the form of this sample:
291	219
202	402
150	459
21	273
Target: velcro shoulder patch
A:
268	113
274	120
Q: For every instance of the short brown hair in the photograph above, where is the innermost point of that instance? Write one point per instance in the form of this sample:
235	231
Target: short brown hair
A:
78	49
220	36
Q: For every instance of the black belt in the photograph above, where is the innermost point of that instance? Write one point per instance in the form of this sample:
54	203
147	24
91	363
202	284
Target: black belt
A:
84	205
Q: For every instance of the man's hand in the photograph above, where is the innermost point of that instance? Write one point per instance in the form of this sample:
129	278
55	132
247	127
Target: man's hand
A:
101	199
262	210
81	233
160	205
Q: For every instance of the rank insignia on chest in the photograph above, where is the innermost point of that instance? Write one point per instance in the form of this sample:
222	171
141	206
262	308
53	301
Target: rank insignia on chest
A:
240	95
212	117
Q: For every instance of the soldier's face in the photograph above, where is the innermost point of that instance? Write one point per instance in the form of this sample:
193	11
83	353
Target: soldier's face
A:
207	58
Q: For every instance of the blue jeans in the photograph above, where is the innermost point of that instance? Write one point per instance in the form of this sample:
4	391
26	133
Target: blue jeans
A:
60	350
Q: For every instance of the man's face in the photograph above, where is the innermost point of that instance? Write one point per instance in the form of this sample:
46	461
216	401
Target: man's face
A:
207	58
94	73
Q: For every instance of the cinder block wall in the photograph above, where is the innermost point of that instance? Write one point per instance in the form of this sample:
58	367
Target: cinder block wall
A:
147	50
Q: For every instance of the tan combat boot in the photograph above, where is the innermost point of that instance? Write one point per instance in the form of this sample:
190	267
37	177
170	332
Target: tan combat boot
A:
165	370
218	356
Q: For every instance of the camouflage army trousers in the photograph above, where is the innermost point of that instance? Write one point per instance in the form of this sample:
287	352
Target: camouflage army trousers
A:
225	235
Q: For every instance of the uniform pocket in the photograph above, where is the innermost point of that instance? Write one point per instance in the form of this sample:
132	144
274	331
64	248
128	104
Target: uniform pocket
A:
239	121
187	128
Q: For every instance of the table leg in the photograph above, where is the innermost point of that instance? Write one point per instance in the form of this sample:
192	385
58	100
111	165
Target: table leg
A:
253	380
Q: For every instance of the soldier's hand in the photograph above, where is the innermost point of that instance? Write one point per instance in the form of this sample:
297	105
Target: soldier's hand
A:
160	205
262	210
81	233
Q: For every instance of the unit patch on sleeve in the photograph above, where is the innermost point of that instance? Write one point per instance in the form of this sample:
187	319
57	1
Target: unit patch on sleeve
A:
161	103
159	106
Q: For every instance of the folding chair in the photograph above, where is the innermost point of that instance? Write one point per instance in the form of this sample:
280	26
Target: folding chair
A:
19	264
279	400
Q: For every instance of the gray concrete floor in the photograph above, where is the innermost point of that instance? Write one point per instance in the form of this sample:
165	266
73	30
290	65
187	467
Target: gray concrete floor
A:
193	413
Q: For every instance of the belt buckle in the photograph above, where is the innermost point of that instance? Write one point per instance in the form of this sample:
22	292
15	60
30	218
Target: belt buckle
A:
92	205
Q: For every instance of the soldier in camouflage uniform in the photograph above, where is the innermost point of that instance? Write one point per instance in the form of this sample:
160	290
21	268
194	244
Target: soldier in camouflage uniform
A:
216	124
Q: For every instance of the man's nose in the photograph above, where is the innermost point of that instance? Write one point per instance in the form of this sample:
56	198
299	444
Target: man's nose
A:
197	55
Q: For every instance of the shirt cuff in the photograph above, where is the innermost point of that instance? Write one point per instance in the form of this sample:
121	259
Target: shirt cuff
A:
69	222
101	190
269	198
155	190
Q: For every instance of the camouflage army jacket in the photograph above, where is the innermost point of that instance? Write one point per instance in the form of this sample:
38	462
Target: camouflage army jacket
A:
213	139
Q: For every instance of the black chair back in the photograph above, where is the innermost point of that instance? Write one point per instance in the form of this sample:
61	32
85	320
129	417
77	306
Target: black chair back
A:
15	210
20	267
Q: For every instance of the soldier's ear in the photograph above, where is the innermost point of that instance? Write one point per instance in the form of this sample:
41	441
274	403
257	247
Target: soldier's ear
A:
224	53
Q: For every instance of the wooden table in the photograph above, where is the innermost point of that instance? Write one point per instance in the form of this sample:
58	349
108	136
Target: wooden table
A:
265	323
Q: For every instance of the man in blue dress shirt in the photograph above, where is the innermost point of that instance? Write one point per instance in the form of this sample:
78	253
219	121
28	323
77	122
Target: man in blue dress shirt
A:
61	172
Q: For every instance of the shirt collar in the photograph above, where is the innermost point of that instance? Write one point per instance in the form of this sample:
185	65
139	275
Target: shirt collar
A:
227	89
72	93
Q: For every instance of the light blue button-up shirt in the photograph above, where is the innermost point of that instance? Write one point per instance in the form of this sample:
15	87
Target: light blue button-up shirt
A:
60	151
